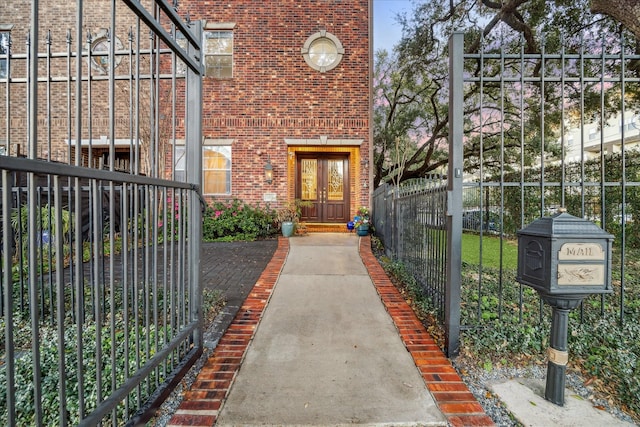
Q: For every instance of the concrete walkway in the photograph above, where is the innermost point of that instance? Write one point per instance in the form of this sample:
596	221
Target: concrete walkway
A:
325	339
326	350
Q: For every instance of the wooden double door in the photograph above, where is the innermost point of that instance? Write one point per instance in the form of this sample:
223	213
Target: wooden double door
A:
323	180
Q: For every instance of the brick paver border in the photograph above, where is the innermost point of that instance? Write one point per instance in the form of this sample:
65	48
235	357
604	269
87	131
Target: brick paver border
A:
451	395
202	403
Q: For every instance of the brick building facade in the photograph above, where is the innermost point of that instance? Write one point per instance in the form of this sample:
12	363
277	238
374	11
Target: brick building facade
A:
288	83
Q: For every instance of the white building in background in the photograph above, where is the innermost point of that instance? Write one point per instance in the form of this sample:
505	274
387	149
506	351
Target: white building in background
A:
608	139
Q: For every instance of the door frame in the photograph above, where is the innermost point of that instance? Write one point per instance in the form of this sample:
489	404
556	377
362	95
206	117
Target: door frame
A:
355	168
322	206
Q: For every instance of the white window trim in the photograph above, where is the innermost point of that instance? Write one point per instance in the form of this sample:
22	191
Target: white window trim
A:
213	26
322	34
323	140
220	26
211	142
218	141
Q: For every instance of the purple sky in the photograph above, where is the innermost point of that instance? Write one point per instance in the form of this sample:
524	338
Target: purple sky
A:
386	31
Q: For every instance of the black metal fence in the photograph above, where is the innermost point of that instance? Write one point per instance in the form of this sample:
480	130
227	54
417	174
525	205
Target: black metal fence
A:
410	220
99	254
539	132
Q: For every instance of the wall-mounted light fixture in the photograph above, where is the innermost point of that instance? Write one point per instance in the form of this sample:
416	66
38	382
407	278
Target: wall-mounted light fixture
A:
268	171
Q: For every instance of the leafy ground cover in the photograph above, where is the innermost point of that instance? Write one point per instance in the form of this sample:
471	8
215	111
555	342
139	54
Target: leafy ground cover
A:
125	364
508	326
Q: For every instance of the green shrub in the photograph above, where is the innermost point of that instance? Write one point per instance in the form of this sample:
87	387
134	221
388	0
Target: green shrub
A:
234	220
574	195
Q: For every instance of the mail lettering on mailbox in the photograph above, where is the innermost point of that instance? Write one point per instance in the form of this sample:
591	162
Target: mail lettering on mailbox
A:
581	264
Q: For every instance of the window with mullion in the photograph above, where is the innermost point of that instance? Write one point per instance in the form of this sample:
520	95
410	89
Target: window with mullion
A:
4	53
216	169
218	54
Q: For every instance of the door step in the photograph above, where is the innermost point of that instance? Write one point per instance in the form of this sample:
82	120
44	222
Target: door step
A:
320	227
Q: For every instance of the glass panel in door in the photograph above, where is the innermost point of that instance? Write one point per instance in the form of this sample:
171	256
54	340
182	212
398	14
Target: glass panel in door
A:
323	180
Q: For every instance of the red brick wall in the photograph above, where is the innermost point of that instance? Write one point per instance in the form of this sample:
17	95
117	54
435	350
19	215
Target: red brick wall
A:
274	93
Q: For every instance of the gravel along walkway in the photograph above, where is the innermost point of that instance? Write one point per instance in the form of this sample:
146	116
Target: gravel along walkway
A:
480	380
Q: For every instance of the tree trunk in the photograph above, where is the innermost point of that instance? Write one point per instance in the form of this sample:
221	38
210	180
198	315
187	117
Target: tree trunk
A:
627	12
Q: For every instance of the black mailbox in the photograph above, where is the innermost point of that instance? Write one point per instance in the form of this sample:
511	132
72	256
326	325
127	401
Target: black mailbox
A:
565	259
565	255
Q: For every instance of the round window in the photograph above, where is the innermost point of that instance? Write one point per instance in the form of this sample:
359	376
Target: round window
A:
323	51
100	52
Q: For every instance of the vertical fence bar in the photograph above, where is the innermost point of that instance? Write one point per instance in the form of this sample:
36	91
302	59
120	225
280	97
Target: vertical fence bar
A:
136	100
623	184
165	274
501	182
522	169
603	168
543	183
7	143
78	284
7	284
126	280
153	84
173	268
79	279
60	290
49	244
562	123
112	201
146	277
97	283
481	183
454	192
582	156
136	283
194	175
32	121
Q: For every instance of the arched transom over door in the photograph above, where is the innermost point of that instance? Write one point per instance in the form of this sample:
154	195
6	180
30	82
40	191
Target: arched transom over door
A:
323	180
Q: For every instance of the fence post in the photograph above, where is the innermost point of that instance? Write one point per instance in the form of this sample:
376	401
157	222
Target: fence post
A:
194	176
454	195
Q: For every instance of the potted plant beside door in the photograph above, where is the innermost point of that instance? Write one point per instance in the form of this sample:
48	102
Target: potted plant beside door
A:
361	221
287	218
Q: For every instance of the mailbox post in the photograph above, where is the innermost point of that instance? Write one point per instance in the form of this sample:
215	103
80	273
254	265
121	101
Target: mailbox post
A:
565	259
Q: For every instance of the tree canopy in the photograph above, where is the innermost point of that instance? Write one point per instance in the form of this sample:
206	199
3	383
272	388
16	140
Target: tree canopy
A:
411	82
